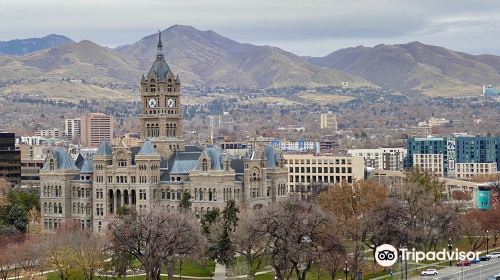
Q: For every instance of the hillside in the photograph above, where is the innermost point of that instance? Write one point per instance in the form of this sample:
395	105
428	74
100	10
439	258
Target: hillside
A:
209	59
416	67
25	46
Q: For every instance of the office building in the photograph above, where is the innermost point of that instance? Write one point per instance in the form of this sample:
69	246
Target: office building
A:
72	129
307	170
95	128
10	159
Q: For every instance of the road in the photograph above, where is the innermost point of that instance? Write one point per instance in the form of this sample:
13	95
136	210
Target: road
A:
480	271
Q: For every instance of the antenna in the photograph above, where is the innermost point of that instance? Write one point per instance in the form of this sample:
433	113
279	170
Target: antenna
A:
211	129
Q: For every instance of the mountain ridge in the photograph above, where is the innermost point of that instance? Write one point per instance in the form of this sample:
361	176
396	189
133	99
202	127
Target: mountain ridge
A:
29	45
415	67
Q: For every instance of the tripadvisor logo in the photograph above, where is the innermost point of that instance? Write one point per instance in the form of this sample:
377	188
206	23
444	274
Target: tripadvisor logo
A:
387	255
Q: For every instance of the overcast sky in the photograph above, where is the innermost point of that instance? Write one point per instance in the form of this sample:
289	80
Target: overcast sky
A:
305	27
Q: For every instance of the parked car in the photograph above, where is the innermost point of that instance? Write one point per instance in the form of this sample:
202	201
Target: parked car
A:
464	263
428	272
494	255
474	261
484	258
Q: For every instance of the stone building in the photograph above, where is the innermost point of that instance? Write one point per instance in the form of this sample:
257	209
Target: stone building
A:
93	190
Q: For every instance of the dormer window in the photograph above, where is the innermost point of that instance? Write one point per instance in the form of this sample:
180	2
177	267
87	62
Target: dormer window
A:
51	164
204	165
122	162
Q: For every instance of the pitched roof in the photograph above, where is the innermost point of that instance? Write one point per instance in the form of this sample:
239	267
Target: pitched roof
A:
184	162
63	159
271	156
87	166
215	156
148	149
104	149
159	69
79	161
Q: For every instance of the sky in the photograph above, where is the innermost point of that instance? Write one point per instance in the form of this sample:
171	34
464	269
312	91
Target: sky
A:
305	27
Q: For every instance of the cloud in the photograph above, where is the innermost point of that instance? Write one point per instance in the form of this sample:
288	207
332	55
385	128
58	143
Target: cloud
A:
313	27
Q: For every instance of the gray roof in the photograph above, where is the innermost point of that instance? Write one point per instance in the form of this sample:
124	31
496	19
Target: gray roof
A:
63	159
159	69
272	157
184	162
237	165
87	166
105	149
148	149
79	161
215	155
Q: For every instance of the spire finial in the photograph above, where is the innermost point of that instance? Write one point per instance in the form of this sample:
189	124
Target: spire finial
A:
160	45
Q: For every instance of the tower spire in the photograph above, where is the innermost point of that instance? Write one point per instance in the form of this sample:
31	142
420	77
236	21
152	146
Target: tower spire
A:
160	45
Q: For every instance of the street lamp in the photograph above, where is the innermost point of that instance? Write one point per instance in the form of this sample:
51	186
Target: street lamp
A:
346	270
487	241
450	246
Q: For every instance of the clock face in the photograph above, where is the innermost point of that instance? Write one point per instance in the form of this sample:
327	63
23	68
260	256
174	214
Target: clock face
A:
152	102
170	103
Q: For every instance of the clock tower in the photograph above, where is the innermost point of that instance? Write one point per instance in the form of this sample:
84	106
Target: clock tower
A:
161	115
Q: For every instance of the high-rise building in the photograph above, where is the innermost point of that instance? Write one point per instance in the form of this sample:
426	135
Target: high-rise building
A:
328	121
95	128
72	129
10	158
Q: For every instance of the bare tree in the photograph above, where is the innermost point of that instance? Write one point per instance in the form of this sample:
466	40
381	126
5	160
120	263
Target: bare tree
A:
89	253
251	242
296	230
58	250
155	237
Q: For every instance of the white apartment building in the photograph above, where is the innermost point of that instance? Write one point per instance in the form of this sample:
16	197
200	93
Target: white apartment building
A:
381	158
469	170
429	162
297	146
31	140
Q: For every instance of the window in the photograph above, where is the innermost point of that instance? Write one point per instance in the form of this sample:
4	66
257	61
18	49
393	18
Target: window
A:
122	162
51	164
204	165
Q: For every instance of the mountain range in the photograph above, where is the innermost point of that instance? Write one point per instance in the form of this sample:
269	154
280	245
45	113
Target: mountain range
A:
24	46
205	58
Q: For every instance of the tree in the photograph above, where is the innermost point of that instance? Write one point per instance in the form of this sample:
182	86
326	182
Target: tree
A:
250	242
154	237
386	224
221	247
332	254
185	203
296	231
208	219
89	253
58	249
347	203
